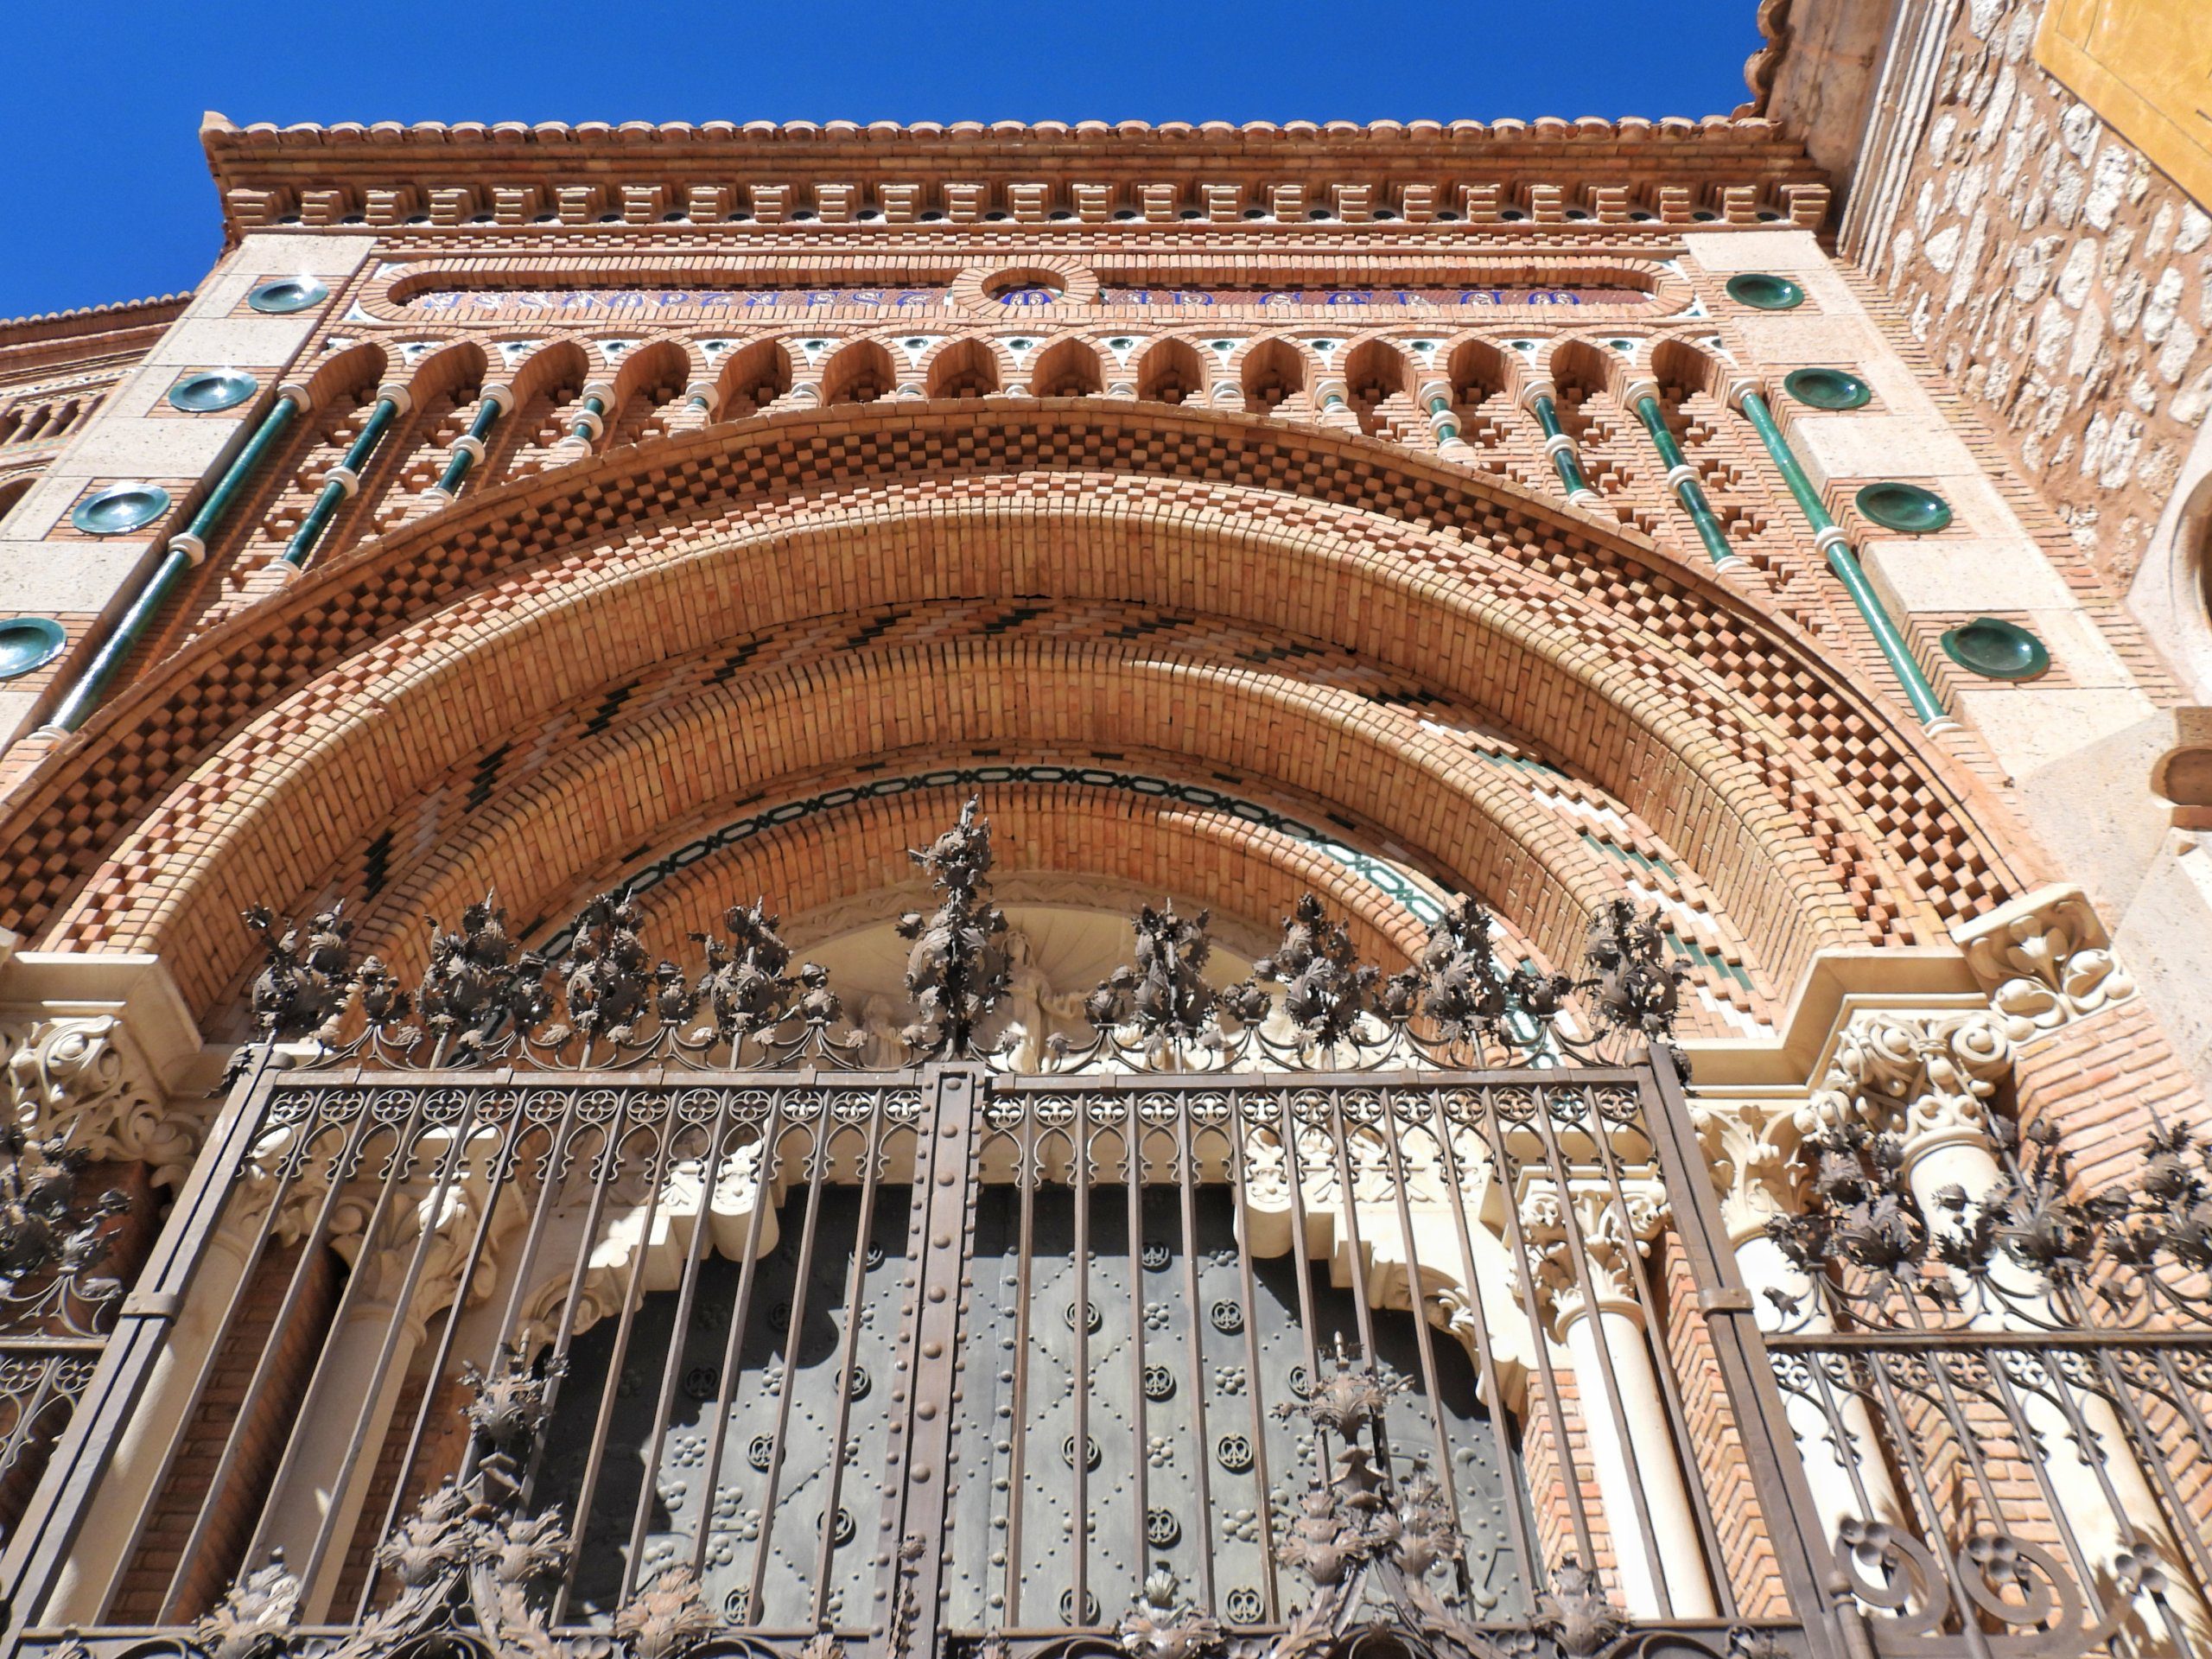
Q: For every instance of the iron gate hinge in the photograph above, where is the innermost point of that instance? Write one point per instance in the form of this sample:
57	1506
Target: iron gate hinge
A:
1718	1300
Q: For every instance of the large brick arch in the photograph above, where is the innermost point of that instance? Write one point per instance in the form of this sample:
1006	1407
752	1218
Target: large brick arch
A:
1814	818
696	744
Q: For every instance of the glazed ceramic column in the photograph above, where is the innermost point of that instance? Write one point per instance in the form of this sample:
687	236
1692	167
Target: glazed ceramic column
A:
1434	397
1587	1262
589	424
1540	399
343	481
468	449
1643	397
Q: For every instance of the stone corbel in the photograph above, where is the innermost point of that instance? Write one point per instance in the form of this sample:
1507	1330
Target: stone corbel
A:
2046	962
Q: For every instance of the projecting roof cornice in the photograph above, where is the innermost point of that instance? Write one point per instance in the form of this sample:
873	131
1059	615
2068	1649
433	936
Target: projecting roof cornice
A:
1731	169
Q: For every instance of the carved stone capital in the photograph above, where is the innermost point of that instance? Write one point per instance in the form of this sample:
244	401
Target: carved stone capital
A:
1927	1077
2045	960
81	1076
1753	1148
1614	1233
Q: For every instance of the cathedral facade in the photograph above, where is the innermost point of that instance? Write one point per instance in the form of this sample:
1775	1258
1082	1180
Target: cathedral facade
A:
1088	888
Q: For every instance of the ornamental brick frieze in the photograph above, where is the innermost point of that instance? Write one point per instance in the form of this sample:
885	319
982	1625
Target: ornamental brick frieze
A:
840	174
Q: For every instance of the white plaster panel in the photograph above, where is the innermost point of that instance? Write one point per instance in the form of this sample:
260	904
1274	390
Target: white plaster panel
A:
1790	250
239	342
2077	646
140	393
1862	446
1965	575
146	448
2080	760
291	254
2165	938
66	577
2030	730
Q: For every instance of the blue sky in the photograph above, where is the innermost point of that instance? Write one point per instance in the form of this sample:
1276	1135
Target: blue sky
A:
106	195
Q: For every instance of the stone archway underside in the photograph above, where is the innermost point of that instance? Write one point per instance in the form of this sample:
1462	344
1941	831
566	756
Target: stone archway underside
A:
1812	823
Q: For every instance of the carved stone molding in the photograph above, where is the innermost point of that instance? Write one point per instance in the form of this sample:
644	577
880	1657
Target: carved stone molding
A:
81	1076
2045	960
1926	1077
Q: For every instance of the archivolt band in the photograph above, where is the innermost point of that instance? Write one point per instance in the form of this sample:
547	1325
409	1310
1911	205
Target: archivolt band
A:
604	1304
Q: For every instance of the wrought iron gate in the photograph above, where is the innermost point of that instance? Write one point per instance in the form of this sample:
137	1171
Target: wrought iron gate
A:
929	1361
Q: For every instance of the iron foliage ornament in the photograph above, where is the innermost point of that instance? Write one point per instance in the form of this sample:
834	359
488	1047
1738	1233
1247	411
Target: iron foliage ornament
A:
1372	1543
1311	1002
2035	1249
469	1568
958	967
52	1235
607	999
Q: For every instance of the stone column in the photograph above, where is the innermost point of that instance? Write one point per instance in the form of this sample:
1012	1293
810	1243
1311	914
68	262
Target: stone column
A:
1753	1148
1604	1331
134	1467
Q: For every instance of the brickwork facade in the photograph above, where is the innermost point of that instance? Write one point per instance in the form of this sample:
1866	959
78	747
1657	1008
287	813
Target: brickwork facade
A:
1391	513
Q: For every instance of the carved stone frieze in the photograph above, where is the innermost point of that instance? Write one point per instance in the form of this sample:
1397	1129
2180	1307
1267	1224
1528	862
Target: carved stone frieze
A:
2046	961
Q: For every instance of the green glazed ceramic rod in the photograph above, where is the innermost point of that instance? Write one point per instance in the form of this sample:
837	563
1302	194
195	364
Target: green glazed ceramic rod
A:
1832	544
187	548
1682	477
345	478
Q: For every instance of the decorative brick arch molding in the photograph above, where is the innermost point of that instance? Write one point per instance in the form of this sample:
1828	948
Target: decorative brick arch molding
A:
235	765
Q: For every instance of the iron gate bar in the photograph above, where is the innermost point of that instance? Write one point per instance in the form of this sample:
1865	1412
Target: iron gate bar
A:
1578	1252
863	1227
1811	1580
1187	1194
656	1173
694	1255
1509	1460
1680	1436
556	1148
1415	1299
765	1170
353	1140
403	1154
504	1163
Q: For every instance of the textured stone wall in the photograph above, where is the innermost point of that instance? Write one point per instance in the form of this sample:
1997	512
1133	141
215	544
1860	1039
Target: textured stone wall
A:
2062	281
